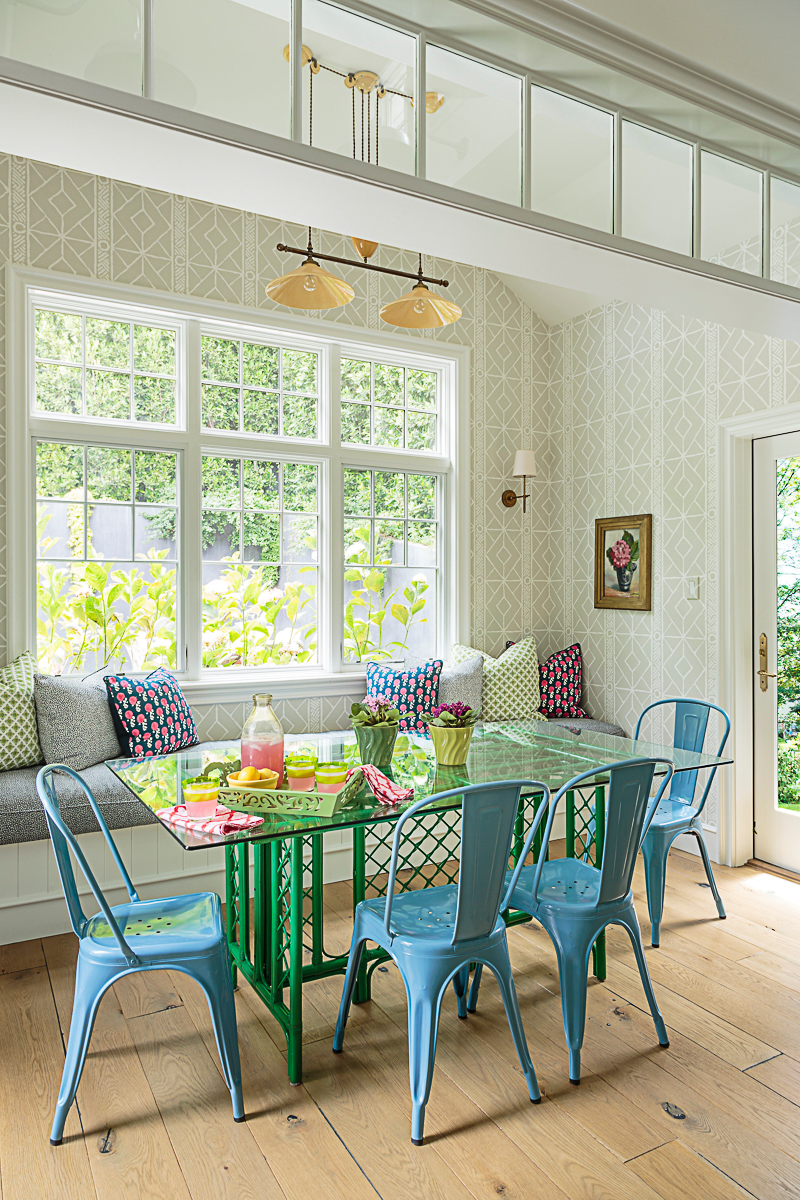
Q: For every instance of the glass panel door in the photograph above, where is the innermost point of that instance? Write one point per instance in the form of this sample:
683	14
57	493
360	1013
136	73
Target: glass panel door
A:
776	651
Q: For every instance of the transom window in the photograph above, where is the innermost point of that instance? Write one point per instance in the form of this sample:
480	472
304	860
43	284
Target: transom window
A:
193	512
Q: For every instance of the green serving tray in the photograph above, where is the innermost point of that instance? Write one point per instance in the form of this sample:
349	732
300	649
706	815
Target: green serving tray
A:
283	800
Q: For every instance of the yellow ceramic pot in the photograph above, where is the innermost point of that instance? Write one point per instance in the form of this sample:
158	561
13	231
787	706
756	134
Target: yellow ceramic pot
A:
451	746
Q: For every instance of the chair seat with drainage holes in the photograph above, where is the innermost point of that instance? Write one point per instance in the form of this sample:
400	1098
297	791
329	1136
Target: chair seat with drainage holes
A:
427	915
178	925
674	814
565	882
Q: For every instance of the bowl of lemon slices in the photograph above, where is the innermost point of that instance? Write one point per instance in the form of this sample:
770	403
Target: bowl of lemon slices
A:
250	778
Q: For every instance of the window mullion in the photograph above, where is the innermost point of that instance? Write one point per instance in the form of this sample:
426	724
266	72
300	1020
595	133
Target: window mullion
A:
190	653
332	525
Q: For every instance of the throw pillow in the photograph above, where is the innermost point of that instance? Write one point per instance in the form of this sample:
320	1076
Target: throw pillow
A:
413	692
560	680
463	682
151	715
510	682
75	722
19	738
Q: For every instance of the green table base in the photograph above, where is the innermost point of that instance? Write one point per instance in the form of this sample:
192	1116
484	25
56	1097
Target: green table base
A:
284	948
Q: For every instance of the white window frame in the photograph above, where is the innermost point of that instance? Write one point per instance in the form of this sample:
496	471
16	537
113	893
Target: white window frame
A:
330	675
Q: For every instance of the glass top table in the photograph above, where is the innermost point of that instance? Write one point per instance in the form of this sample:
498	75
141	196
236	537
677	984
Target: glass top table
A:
533	750
280	943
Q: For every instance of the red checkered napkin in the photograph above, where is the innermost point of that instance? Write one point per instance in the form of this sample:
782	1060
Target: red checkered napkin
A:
224	820
382	787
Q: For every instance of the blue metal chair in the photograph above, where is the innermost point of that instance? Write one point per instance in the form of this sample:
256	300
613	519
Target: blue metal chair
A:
182	933
575	900
434	934
678	813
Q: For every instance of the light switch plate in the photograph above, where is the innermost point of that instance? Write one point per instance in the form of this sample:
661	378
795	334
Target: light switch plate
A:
693	589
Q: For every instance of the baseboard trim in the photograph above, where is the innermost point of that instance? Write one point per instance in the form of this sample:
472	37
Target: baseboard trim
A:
771	869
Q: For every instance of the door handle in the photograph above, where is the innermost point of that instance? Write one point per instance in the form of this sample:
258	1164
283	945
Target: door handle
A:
763	674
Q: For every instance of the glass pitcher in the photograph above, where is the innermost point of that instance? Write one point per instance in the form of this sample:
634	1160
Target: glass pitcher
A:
262	737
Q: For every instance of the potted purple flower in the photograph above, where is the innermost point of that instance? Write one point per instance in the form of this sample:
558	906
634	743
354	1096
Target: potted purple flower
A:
376	723
450	727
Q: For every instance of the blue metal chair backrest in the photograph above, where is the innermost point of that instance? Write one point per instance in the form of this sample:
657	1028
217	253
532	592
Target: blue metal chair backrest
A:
64	841
630	811
488	813
691	723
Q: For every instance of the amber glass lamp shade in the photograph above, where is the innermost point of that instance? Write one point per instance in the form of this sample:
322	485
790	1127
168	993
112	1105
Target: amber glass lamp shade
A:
363	248
420	309
310	286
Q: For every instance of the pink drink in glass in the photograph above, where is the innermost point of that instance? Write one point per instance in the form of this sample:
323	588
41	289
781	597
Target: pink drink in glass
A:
264	752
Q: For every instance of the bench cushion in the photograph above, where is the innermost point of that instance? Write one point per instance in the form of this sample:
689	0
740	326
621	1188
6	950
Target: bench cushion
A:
22	816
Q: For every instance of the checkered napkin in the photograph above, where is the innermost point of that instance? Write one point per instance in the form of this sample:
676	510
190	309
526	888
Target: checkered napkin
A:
224	820
381	786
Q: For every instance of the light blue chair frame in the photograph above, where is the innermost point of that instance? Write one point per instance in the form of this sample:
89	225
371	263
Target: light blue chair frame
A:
429	961
678	813
101	963
574	923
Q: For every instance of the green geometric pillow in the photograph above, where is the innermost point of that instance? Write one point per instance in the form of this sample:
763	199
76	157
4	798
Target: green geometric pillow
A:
19	738
510	682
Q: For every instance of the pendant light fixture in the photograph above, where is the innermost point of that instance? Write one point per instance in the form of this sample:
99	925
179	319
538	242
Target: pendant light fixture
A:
420	308
310	286
363	248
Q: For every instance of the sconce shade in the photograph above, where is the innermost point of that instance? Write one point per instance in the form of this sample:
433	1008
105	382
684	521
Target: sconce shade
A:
524	463
420	309
363	248
310	286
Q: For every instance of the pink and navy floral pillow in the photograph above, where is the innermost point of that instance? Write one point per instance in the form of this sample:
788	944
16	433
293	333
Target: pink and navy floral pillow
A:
560	681
151	715
414	691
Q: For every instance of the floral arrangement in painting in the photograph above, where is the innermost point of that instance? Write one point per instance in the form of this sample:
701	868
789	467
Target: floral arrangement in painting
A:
374	710
452	716
624	553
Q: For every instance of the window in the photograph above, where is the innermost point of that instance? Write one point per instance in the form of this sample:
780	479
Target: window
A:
730	213
572	156
387	405
259	389
656	188
214	497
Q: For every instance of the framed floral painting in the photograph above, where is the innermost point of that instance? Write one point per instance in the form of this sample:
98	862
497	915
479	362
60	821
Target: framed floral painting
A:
623	551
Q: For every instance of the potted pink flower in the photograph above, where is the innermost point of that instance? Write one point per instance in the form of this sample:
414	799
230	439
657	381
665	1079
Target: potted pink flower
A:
376	722
450	727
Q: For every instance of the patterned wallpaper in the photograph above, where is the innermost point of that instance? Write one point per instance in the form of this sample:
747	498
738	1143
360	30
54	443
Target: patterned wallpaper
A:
94	227
641	394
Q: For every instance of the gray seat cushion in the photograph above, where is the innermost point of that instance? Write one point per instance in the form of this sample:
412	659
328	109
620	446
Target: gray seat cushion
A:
22	816
587	725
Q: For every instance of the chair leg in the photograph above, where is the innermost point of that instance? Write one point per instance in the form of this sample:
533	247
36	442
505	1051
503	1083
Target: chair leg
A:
214	976
460	984
350	979
630	922
709	873
472	1002
89	988
424	1002
500	965
573	968
655	849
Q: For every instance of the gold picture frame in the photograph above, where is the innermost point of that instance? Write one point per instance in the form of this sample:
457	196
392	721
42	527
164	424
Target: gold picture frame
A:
623	556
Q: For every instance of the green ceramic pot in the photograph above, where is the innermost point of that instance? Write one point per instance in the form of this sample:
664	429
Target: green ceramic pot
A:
376	743
451	746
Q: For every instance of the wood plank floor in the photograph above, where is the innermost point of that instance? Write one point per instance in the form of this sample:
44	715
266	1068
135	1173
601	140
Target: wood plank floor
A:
714	1117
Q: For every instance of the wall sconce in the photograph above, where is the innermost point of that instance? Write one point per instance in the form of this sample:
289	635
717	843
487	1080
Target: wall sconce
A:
524	466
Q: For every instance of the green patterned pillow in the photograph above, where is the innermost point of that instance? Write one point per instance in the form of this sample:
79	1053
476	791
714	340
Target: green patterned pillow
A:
510	682
19	737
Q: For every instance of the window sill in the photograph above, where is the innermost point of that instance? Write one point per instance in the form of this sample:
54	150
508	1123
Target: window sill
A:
283	687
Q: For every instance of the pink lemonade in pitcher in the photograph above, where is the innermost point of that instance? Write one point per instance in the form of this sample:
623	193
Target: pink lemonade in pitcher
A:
262	738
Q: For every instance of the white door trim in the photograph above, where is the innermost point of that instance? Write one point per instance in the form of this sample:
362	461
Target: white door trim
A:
734	446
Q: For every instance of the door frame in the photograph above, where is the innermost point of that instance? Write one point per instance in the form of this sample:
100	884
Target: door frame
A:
735	437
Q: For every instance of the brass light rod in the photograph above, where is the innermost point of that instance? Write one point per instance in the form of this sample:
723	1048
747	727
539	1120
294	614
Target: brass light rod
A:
357	262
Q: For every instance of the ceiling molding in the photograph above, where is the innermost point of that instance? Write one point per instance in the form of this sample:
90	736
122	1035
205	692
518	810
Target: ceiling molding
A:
573	28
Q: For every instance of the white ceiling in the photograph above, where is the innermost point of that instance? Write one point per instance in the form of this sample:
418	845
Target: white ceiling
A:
553	304
752	41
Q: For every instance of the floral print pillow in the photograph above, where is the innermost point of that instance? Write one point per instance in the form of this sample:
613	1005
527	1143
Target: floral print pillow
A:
414	691
560	683
151	715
